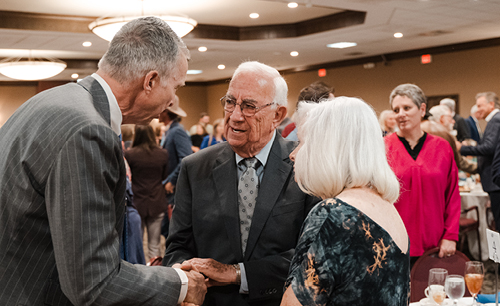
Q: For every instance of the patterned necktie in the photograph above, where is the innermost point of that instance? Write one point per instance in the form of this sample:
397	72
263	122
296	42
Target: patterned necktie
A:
248	187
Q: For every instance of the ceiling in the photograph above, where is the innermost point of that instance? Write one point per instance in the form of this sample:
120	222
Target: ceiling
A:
57	28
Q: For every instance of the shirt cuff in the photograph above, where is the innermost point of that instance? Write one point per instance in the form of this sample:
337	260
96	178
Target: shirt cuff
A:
184	286
244	283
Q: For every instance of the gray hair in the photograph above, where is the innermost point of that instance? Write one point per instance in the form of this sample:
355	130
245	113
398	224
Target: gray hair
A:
438	111
324	168
143	45
450	103
473	109
411	91
383	117
490	97
267	72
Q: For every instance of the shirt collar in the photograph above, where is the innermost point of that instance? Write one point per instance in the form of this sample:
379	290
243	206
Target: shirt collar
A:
114	108
493	112
263	154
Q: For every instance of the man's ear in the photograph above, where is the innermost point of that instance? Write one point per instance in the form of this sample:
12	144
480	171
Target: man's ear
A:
279	115
151	80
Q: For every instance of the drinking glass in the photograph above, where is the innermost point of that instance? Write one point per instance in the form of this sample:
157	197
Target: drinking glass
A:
474	274
454	287
435	291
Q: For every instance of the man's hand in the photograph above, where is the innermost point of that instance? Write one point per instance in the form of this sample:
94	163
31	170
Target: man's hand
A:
447	248
169	187
458	144
219	274
197	288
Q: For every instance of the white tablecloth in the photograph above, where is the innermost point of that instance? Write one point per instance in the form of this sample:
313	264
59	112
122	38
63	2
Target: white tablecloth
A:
481	200
463	301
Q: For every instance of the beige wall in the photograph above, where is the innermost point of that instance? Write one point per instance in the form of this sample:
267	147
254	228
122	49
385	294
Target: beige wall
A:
11	97
464	73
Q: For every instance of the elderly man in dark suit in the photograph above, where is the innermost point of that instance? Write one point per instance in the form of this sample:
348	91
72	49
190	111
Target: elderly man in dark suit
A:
487	108
62	181
238	211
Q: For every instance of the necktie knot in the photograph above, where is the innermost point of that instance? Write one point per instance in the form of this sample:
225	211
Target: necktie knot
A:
251	162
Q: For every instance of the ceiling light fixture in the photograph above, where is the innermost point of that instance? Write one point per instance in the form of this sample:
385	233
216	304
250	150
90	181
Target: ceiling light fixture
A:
221	67
254	15
193	71
87	44
106	28
31	69
294	53
292	4
398	35
202	49
342	45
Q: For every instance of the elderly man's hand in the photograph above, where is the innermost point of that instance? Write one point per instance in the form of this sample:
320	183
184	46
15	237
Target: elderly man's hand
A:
219	274
197	288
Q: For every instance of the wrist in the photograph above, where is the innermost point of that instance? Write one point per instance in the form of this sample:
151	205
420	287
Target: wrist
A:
238	273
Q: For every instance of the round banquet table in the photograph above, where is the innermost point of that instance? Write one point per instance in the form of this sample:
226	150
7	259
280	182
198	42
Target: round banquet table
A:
482	201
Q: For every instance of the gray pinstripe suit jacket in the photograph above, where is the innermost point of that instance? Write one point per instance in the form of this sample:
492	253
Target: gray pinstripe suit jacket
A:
62	184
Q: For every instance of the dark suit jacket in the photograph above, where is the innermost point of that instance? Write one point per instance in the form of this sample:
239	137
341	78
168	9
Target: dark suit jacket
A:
461	127
205	221
178	144
495	168
62	202
485	151
474	133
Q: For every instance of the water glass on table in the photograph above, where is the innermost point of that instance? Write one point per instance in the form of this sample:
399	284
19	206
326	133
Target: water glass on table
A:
474	275
455	287
435	290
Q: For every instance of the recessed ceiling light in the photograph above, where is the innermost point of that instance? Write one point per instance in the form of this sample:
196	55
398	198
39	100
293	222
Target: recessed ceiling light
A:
221	67
398	35
193	71
342	45
202	49
86	44
292	4
294	53
254	15
75	76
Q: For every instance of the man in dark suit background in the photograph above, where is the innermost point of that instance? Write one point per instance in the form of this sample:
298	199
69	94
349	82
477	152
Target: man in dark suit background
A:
473	122
178	145
62	181
245	255
460	125
487	109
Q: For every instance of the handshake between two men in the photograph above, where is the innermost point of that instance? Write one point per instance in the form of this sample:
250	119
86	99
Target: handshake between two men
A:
211	272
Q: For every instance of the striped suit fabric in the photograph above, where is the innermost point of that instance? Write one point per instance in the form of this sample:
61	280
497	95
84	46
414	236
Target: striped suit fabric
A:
62	187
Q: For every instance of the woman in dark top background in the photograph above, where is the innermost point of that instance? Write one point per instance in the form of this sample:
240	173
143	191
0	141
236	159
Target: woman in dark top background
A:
353	249
148	163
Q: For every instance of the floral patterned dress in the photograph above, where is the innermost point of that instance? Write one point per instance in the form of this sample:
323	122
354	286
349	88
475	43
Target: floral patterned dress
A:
344	258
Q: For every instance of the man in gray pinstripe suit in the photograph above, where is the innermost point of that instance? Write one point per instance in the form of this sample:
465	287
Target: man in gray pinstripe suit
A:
62	181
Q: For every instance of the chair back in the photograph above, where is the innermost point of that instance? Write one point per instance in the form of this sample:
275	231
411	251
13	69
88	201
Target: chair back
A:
419	274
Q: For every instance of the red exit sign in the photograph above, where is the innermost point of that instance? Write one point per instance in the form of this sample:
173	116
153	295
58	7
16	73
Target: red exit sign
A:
426	59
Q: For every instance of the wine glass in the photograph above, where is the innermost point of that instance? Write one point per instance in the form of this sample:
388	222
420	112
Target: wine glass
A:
435	291
474	274
454	287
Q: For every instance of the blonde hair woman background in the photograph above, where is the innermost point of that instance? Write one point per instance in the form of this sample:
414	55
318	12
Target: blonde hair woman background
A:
353	248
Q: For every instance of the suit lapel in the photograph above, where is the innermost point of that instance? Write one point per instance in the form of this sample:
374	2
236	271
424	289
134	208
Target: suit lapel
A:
226	180
99	97
276	173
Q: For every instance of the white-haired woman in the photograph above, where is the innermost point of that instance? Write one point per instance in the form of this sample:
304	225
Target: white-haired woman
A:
387	121
429	203
353	249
